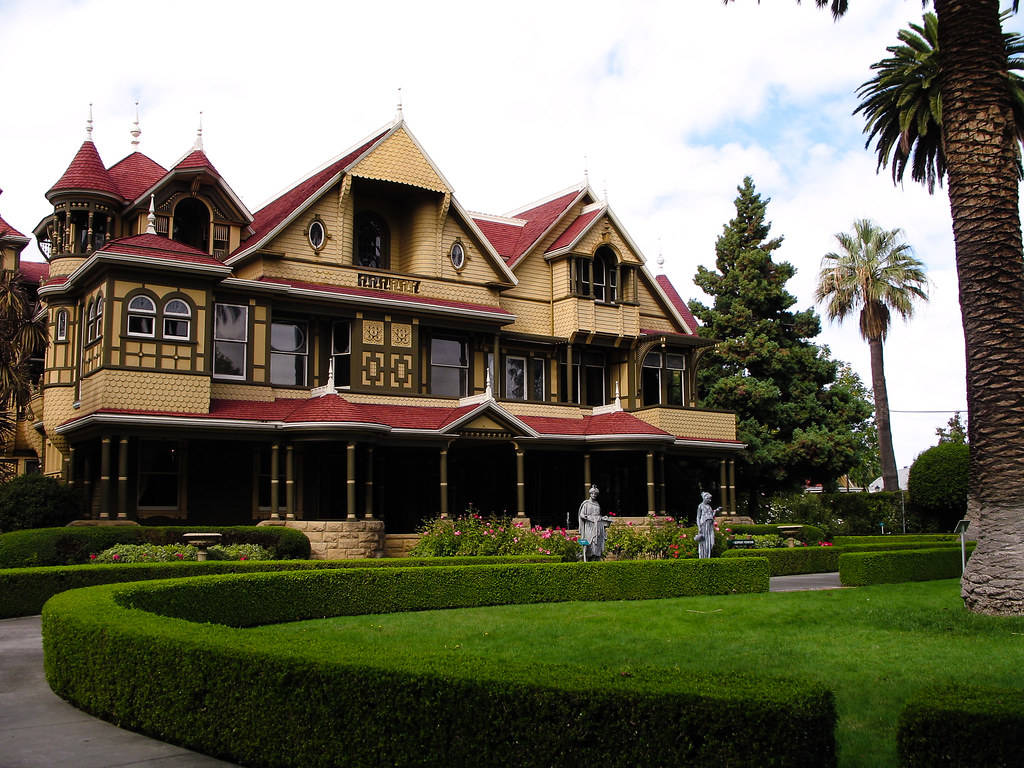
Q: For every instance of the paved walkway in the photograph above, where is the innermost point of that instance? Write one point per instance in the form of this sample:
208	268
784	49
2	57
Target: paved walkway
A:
40	730
37	728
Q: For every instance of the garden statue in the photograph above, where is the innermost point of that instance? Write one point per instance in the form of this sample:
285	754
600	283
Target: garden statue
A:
593	525
705	537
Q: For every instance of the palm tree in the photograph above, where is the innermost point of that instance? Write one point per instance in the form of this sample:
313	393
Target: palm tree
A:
902	103
979	139
874	272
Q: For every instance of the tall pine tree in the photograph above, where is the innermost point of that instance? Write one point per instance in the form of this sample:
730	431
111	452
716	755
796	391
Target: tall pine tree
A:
799	420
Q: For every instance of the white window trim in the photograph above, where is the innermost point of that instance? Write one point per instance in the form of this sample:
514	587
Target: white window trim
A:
186	316
141	313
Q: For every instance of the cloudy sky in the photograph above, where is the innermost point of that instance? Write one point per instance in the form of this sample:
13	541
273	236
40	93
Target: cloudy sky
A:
667	105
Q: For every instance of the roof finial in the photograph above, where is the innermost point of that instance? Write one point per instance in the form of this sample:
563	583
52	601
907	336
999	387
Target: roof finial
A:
399	117
88	125
488	390
661	257
605	195
199	135
136	131
586	170
151	219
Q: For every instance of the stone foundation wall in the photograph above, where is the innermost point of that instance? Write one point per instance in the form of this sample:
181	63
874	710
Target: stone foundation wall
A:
340	539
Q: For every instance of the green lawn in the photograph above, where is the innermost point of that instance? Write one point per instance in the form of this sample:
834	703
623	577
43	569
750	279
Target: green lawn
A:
875	646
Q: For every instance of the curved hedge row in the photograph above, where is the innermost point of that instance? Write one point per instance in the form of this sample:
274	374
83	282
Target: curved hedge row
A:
74	544
257	700
964	727
808	533
26	589
786	561
858	569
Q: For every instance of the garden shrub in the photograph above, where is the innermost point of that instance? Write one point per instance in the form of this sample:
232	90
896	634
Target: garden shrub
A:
963	727
37	501
70	545
473	534
938	485
809	534
858	569
839	513
244	697
169	553
25	590
898	538
824	559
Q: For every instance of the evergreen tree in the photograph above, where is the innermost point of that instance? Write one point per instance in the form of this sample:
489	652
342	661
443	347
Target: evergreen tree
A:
799	420
954	431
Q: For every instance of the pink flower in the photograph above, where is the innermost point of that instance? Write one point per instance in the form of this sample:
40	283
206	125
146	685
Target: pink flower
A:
458	533
117	557
92	557
630	522
244	557
670	519
515	539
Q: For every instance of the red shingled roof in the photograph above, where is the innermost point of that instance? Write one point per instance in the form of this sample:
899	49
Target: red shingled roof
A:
196	159
579	225
135	174
345	290
678	303
617	423
537	221
6	230
503	235
87	172
155	246
34	272
272	214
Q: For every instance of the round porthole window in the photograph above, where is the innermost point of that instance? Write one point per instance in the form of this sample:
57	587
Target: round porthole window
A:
317	234
458	256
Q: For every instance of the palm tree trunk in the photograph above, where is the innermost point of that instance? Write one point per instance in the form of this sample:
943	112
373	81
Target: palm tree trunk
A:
886	455
978	131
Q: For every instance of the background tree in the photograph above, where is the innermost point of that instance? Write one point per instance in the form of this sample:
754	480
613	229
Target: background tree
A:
902	103
980	144
22	334
954	431
799	421
938	486
875	274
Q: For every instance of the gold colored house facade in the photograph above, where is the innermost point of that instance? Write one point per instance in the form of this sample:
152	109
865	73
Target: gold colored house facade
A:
363	348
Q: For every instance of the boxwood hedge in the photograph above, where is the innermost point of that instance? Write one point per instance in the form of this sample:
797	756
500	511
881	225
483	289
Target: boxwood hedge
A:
898	538
257	700
786	561
858	569
74	544
964	727
24	590
807	533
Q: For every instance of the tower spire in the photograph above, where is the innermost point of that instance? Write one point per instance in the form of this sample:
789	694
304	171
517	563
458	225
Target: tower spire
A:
399	117
199	135
88	125
136	131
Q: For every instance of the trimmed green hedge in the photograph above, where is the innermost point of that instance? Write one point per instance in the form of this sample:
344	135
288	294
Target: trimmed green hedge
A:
963	727
810	533
74	544
858	569
787	561
25	590
253	699
898	538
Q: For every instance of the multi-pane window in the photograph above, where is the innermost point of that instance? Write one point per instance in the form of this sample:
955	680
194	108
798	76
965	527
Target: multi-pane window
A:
61	333
581	282
141	316
341	350
537	365
515	378
592	378
650	379
177	319
90	322
674	365
605	284
449	367
98	329
288	351
230	336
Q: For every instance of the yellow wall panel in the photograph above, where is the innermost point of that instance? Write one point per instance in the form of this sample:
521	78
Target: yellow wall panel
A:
399	159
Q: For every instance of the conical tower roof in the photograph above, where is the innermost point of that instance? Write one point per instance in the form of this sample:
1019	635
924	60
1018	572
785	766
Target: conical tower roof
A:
86	172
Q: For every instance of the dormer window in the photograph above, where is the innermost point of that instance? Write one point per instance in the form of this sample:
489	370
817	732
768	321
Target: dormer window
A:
372	241
605	275
192	224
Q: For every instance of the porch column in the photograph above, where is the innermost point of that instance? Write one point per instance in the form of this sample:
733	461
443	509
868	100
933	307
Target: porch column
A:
444	482
122	478
289	481
275	473
732	486
106	497
350	476
586	475
87	484
69	466
663	505
368	509
520	484
651	510
723	489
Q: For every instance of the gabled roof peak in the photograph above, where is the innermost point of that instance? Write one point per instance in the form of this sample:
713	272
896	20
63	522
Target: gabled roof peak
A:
575	188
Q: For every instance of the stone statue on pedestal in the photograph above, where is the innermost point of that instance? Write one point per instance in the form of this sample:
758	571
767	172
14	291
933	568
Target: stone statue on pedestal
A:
593	525
705	537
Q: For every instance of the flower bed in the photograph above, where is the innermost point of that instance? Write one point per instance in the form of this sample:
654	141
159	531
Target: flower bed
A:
473	534
255	701
171	553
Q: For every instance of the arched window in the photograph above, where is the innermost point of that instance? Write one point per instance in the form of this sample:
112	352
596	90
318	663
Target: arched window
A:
141	316
90	323
177	319
606	286
61	333
192	224
98	331
372	242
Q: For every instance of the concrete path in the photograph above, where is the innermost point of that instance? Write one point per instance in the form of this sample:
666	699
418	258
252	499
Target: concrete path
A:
40	730
804	581
37	728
